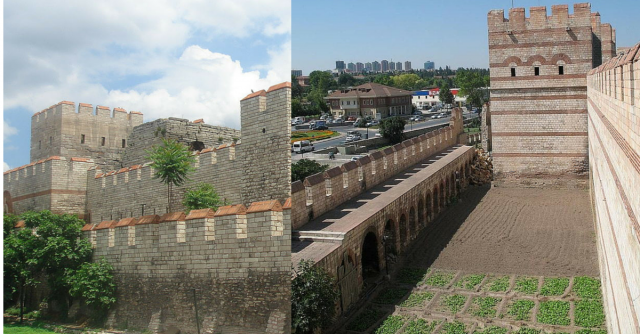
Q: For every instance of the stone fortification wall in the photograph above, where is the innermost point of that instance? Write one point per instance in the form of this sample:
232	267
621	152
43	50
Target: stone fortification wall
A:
237	259
127	191
196	135
102	136
614	153
266	135
57	184
322	192
538	92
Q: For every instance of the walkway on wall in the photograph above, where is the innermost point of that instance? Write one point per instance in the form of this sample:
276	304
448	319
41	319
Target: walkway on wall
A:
321	236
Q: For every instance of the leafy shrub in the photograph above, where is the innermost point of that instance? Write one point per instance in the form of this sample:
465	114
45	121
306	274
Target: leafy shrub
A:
202	196
521	309
455	302
417	299
313	297
587	287
486	306
455	327
439	279
589	313
93	281
420	326
500	284
390	325
526	285
469	282
554	286
554	313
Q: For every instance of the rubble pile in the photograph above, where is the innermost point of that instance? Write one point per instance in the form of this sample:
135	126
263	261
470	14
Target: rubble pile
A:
481	168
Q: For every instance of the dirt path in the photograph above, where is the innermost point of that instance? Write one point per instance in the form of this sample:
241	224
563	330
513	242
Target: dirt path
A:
512	231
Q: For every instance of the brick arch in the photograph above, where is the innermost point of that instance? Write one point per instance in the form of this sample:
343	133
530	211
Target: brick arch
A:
560	56
402	226
537	58
390	235
512	59
369	254
7	202
422	218
428	205
413	222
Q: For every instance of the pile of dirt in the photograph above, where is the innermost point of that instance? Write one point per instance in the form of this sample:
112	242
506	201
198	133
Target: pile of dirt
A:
481	168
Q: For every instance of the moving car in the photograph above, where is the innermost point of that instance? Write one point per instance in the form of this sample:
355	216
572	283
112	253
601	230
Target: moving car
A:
303	146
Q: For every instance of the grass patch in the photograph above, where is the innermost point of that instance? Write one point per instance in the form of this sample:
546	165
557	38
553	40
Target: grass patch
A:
455	327
589	313
526	330
439	279
554	286
470	282
527	285
521	309
554	313
499	284
412	275
391	295
485	307
364	320
471	130
25	329
454	302
390	325
420	326
587	287
417	299
588	331
491	330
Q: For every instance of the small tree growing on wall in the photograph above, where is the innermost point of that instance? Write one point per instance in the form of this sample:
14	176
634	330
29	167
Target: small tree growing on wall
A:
392	128
202	197
172	162
313	298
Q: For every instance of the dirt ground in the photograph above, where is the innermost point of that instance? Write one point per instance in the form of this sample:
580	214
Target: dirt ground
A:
540	232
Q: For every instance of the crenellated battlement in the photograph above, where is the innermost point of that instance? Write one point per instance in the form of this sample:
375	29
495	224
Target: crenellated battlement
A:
68	107
319	193
41	166
538	18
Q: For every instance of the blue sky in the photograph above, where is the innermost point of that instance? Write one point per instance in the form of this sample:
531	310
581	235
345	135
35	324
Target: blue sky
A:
450	33
181	58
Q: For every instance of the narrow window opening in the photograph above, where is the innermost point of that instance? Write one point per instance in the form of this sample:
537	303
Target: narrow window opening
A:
50	141
561	70
536	70
513	71
124	143
103	141
81	139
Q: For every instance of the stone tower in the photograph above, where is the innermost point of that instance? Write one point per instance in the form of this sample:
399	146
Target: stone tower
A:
266	153
538	92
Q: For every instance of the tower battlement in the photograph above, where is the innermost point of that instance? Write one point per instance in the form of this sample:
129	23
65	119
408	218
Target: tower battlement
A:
538	18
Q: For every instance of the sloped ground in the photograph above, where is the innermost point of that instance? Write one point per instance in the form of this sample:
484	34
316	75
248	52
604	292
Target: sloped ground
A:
508	261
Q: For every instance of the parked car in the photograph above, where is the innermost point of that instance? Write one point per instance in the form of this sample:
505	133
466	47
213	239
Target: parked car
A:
378	135
418	118
356	157
303	146
351	118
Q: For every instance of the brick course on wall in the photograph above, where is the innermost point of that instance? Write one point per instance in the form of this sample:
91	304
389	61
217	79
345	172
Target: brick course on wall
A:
539	122
614	152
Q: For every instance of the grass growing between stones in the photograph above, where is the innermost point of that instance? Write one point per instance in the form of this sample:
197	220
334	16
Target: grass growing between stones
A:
412	275
521	309
588	331
421	326
391	325
417	299
526	330
491	330
454	302
484	307
455	327
586	287
470	282
554	286
499	284
439	279
391	295
589	313
364	320
527	285
554	313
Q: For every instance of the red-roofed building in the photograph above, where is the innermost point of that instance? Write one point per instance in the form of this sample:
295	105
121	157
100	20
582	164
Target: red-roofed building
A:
370	100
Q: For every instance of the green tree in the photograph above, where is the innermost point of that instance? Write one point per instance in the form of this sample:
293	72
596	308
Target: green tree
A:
202	196
407	81
392	128
346	79
383	79
305	167
473	84
49	245
93	281
313	298
172	162
445	94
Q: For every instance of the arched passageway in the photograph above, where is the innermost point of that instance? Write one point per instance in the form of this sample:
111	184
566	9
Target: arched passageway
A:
370	262
413	223
403	231
422	218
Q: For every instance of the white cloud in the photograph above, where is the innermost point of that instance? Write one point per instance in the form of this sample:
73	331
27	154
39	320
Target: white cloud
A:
5	167
8	130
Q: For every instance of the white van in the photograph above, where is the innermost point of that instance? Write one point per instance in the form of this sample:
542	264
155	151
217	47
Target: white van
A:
303	146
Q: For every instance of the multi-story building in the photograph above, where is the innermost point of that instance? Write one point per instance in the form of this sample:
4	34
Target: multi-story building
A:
384	65
351	67
376	66
359	67
368	67
370	100
340	65
296	73
398	66
392	66
407	65
429	65
428	98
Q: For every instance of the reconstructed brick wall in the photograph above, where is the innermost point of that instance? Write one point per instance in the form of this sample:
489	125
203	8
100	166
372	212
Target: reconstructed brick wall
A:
237	259
539	122
122	193
265	153
58	131
311	199
147	135
57	184
614	153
